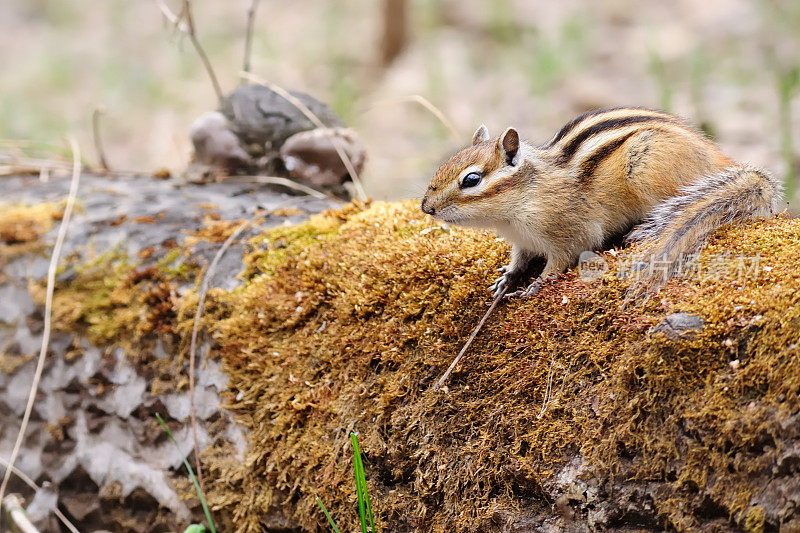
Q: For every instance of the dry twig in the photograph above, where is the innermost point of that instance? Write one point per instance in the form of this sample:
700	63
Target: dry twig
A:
48	308
192	33
98	140
171	17
248	42
10	165
425	103
28	481
471	338
17	515
283	182
201	304
286	95
184	22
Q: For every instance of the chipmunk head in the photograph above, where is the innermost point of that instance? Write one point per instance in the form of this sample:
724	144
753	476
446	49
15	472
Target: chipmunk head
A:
468	189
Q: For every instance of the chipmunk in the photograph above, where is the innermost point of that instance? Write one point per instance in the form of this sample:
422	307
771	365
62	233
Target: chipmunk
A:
607	172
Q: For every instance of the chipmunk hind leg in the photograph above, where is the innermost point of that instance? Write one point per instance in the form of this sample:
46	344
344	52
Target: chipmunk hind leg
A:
679	226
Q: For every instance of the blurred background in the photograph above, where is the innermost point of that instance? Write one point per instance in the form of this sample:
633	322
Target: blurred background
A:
730	66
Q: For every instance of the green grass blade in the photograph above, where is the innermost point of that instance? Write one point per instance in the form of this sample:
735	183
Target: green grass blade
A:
364	507
192	476
357	468
328	516
363	477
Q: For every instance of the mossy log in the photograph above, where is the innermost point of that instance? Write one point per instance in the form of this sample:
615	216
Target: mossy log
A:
134	248
574	410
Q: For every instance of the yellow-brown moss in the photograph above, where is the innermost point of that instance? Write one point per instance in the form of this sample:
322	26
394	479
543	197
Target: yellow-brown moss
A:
25	223
98	301
21	226
213	230
344	322
117	301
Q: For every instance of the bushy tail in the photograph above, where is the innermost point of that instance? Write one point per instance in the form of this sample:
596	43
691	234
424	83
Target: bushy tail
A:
679	226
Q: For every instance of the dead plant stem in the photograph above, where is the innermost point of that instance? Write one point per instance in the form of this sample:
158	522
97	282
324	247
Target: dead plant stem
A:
201	301
427	105
98	140
48	308
471	338
191	31
248	43
283	182
28	481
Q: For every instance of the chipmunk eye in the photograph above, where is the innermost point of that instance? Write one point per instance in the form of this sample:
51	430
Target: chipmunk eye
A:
471	180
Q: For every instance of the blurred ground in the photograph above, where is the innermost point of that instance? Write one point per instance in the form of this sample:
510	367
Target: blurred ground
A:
720	63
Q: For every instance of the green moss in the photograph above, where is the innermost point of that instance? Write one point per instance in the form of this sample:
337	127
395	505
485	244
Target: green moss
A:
177	263
97	300
284	243
117	300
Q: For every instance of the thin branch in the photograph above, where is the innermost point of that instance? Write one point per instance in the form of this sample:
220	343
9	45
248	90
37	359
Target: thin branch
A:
16	513
98	140
30	165
201	304
318	123
549	387
28	481
435	111
184	22
171	17
48	307
283	182
471	338
248	42
192	32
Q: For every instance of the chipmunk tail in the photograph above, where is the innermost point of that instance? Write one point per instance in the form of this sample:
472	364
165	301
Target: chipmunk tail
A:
680	226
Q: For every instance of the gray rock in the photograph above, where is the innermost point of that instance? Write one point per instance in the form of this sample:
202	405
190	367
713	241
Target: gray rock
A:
259	132
261	117
311	157
679	325
215	144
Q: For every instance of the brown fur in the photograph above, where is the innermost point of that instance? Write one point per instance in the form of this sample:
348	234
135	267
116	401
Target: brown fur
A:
484	154
602	174
590	164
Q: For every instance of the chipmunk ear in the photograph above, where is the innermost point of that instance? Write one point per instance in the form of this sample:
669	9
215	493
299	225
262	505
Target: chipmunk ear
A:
509	143
481	135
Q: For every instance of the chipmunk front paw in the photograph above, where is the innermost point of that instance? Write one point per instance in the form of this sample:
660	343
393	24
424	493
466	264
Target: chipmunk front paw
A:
508	278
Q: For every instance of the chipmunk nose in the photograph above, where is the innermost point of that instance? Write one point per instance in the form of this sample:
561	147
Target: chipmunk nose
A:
426	207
